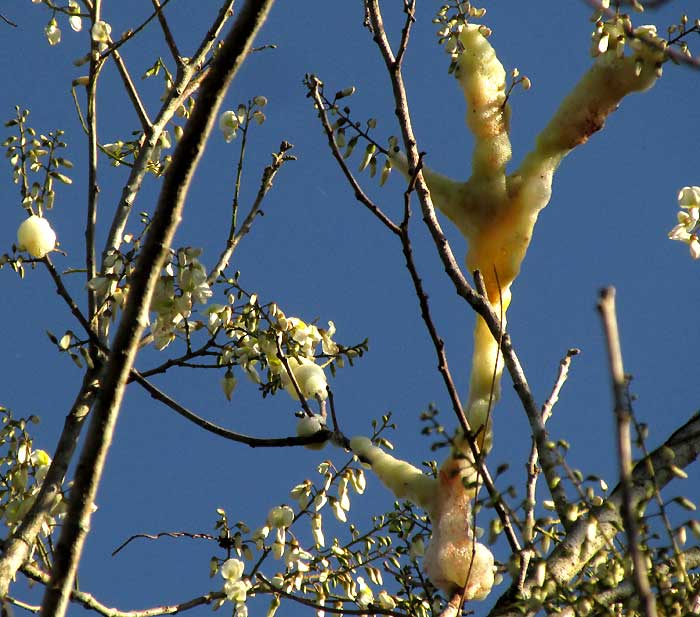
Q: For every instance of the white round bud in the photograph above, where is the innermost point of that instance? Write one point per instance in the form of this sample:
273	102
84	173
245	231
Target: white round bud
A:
308	426
36	236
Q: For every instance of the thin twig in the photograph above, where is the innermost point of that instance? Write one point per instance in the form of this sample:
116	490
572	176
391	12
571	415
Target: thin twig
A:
132	92
313	85
164	534
532	463
409	7
7	21
235	237
606	307
133	32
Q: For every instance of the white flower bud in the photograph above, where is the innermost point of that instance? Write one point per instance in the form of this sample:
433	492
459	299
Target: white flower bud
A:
308	426
232	569
280	517
386	601
36	236
100	32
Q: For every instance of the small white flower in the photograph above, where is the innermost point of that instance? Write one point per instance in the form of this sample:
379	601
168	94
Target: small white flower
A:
53	33
694	246
236	591
308	426
365	597
228	123
228	384
309	377
689	197
386	601
232	569
317	530
100	31
280	517
74	20
36	236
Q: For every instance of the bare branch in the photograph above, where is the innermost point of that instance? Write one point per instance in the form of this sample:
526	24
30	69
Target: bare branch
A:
7	21
169	38
253	442
606	307
164	534
235	237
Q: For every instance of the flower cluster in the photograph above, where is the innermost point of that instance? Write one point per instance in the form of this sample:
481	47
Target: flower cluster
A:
274	350
687	228
231	121
610	37
235	586
175	295
100	31
23	470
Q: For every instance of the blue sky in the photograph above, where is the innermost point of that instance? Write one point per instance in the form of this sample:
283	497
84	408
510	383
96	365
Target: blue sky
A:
320	255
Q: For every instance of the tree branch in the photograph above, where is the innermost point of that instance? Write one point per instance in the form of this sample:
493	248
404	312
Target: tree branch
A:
606	307
151	259
18	547
90	602
180	91
235	237
577	548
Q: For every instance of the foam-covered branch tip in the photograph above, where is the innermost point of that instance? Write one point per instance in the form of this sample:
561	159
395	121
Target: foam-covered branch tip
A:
400	477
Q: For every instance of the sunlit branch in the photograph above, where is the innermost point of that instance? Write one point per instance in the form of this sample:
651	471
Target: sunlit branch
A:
573	553
558	494
126	341
606	307
92	188
19	545
89	601
627	589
